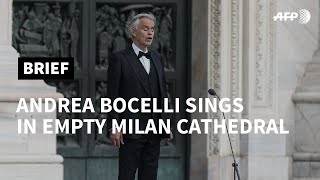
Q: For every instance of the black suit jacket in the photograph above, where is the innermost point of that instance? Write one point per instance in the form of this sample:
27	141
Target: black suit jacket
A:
126	80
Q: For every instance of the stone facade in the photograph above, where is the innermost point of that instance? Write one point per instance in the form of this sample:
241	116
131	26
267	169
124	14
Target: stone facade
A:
251	56
239	51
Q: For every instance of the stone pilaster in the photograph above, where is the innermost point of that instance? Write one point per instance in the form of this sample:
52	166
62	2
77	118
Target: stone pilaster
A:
216	63
28	156
199	142
265	155
306	156
240	62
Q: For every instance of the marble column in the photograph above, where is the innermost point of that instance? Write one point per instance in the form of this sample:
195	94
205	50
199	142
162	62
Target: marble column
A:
216	63
264	156
306	151
22	156
306	156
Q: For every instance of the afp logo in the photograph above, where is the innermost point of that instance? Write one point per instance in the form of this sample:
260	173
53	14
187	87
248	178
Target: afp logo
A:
303	15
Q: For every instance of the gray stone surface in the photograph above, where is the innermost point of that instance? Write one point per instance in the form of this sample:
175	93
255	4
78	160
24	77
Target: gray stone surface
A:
307	128
306	169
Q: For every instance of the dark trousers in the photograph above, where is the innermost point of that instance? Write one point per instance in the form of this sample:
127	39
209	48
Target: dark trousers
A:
141	154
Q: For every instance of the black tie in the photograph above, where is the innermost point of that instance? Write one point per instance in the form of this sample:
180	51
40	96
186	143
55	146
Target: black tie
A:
147	55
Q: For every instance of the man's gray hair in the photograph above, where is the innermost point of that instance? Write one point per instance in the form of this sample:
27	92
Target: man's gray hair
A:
133	22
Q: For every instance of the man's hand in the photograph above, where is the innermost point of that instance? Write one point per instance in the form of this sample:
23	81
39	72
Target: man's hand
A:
166	140
171	136
116	138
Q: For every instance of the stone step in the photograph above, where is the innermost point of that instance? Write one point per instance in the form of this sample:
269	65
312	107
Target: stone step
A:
306	170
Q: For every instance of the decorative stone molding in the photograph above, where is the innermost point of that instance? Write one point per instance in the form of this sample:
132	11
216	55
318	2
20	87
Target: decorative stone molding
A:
214	66
230	67
235	64
264	54
309	89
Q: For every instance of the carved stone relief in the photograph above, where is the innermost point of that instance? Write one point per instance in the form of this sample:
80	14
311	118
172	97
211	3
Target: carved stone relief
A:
112	35
46	29
69	89
214	63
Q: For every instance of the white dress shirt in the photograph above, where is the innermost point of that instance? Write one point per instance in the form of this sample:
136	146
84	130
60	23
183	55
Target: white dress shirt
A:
144	61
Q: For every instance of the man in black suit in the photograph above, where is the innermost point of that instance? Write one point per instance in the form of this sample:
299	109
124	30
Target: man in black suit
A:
137	72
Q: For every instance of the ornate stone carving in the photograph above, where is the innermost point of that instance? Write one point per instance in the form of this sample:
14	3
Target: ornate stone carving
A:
264	53
259	53
235	65
101	92
46	29
69	90
271	56
49	30
112	36
214	64
235	49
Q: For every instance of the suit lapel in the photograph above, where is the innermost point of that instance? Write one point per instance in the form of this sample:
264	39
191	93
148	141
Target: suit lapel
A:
138	68
156	61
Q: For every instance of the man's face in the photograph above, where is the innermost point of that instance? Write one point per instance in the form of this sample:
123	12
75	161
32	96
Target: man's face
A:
144	33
